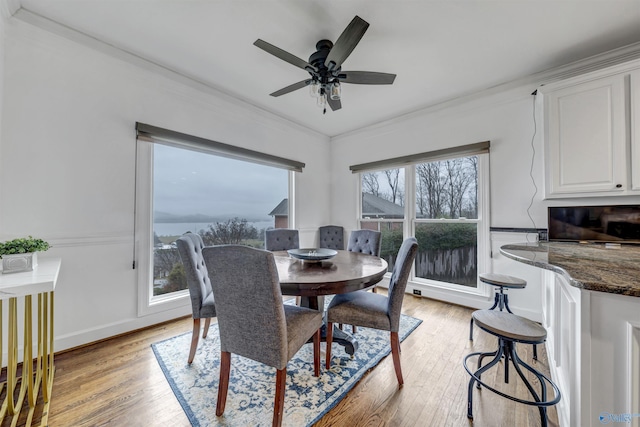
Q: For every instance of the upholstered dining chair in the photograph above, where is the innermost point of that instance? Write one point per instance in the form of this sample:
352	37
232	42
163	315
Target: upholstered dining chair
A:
252	319
190	247
281	239
368	242
374	310
332	237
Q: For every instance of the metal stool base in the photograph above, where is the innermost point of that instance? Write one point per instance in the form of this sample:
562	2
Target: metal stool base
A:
507	348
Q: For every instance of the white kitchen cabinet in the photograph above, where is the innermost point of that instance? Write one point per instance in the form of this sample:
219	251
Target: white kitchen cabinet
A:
591	126
562	320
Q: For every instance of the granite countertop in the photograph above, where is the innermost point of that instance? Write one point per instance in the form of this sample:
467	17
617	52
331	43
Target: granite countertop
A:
590	266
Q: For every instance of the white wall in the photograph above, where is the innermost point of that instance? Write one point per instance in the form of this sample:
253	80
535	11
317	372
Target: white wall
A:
68	165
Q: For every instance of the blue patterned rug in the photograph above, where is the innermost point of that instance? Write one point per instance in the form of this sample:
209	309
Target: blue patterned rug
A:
252	384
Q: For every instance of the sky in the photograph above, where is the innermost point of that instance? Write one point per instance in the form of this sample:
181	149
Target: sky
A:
188	182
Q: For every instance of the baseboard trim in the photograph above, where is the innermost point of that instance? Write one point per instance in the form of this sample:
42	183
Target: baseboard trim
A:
90	336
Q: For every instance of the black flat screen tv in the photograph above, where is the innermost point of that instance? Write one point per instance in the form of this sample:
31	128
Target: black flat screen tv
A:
595	223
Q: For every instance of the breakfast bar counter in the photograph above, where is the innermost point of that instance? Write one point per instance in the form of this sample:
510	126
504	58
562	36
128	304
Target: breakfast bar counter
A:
591	313
590	266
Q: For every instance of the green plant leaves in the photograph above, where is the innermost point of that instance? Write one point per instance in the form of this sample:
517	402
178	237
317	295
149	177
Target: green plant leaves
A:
23	245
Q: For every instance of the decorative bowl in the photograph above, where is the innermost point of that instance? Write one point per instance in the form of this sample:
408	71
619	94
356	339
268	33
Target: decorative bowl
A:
312	254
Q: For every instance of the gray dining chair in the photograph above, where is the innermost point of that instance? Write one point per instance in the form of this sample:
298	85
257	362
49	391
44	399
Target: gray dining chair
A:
332	237
252	319
374	310
367	242
190	247
281	239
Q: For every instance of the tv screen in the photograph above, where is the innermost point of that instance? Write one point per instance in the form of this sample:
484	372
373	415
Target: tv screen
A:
595	223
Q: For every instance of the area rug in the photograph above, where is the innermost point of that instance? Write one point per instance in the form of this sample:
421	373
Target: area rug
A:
252	384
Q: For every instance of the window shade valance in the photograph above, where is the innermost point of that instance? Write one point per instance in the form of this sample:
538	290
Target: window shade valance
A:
151	133
429	156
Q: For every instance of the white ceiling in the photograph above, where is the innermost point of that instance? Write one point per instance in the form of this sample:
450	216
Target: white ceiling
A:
439	49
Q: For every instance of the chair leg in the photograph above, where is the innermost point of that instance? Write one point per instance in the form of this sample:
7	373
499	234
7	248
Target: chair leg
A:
316	354
207	323
223	385
194	340
353	329
395	352
471	330
329	340
278	406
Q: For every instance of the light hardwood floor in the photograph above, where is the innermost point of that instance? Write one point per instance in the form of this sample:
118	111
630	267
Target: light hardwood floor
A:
118	382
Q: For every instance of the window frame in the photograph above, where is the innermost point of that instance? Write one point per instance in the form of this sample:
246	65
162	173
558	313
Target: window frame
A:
410	220
148	303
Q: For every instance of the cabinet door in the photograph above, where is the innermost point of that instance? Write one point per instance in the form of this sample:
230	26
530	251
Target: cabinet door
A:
635	129
586	138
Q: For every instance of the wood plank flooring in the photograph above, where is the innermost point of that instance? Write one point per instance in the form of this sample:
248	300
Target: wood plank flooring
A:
118	382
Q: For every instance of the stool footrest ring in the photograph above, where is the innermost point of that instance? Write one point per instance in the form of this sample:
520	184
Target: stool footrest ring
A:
515	399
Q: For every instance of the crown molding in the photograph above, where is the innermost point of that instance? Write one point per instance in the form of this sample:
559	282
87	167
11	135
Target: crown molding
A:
8	8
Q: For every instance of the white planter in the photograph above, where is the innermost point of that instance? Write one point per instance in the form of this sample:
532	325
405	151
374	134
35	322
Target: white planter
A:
19	262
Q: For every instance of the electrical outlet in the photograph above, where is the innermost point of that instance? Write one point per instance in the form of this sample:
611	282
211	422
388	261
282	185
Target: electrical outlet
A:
417	292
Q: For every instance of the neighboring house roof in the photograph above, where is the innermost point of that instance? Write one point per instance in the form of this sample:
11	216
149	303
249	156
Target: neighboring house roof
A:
282	209
374	207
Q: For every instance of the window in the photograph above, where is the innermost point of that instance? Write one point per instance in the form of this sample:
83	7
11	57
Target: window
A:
382	209
226	201
446	222
227	194
440	198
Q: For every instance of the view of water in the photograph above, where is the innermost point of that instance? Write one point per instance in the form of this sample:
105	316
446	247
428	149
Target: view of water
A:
179	228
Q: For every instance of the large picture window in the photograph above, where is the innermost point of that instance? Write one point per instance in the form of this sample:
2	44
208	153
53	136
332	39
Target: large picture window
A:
225	201
187	184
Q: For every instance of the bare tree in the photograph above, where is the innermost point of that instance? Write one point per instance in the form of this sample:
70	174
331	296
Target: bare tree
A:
231	231
432	185
393	178
458	180
370	183
164	260
472	204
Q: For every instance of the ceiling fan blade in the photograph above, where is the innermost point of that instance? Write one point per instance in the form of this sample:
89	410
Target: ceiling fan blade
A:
291	88
366	78
345	44
284	55
335	104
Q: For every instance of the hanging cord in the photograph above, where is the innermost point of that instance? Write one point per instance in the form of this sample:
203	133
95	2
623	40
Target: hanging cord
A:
533	156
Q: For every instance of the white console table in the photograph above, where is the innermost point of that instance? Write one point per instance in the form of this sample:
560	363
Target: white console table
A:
26	392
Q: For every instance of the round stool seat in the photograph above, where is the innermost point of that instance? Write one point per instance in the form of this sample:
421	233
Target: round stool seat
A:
502	280
510	326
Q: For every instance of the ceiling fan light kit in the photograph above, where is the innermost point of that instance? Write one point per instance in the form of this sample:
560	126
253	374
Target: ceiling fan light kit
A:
325	67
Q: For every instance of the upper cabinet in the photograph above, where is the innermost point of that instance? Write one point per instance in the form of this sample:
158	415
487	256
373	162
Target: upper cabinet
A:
592	141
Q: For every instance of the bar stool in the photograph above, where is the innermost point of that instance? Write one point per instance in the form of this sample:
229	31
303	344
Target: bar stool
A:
510	329
501	299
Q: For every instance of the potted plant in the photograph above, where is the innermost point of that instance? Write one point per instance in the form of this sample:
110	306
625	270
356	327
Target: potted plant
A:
21	254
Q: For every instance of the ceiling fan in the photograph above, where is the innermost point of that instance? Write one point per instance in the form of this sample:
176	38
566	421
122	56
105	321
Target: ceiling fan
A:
324	66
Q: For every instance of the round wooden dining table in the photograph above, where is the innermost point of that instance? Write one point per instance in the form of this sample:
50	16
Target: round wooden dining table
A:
345	272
